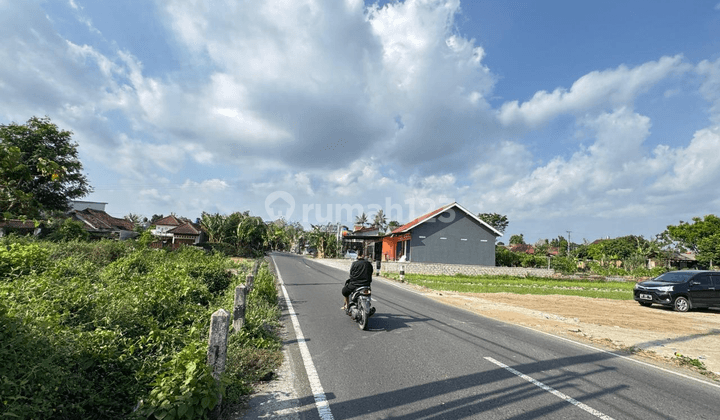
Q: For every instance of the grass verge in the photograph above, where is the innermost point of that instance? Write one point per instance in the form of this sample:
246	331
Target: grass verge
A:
523	285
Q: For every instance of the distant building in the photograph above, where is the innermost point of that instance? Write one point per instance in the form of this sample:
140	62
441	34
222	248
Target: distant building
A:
101	225
450	235
20	227
175	232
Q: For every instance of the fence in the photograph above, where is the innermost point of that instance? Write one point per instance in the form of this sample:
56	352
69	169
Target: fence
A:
220	328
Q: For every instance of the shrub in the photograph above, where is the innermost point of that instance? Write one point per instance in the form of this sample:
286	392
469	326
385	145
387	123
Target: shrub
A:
68	230
19	259
185	389
564	265
102	327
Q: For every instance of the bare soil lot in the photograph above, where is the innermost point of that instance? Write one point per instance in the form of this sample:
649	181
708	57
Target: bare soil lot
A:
656	334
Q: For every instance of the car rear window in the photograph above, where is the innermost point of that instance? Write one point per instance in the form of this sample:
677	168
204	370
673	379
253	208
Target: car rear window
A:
675	277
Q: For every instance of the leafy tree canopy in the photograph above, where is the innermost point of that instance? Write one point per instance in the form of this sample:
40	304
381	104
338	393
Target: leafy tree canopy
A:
497	221
618	248
39	169
517	239
702	236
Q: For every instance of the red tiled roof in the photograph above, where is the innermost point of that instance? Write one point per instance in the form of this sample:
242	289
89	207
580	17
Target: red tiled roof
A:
185	229
419	220
168	221
524	248
99	220
404	228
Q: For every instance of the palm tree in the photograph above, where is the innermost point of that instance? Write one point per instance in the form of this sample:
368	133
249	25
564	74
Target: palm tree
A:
380	221
361	220
213	224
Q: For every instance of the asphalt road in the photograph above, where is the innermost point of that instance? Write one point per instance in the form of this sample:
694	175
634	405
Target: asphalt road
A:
425	360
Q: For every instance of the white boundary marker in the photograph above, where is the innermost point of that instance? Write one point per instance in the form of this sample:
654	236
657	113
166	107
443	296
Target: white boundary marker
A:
553	391
315	386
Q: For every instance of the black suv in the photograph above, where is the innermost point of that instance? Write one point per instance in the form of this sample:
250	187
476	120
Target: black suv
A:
683	290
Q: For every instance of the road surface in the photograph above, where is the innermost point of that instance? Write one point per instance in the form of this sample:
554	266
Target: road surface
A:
425	360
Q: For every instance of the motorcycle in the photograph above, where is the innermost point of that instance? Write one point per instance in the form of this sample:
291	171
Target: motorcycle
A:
359	308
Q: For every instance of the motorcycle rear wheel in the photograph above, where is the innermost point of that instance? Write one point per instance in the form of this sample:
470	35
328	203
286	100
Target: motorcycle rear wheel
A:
363	319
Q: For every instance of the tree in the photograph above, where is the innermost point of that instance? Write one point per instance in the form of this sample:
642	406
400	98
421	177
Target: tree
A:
361	220
380	221
702	237
323	238
46	174
252	235
497	221
13	175
517	239
394	224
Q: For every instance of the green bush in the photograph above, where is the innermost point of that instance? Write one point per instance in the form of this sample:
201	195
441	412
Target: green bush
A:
185	388
105	326
68	230
18	259
564	265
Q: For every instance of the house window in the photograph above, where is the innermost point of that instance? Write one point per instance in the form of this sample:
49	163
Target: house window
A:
443	238
483	240
463	239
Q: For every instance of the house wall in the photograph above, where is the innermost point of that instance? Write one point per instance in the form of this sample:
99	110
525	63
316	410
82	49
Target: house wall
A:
452	238
443	269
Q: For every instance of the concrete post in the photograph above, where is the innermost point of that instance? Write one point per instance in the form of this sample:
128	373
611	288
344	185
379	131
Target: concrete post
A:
217	350
217	341
256	267
239	308
249	282
402	273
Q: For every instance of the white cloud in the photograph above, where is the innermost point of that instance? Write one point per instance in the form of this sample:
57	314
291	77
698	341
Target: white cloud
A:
710	87
213	185
694	168
338	104
595	90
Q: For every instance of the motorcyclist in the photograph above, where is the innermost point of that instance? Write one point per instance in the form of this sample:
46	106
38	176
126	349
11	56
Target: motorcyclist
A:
361	272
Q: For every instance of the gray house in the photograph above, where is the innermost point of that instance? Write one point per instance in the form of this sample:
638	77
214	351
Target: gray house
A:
449	235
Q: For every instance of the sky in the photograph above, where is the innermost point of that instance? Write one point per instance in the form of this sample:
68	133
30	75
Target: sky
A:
597	118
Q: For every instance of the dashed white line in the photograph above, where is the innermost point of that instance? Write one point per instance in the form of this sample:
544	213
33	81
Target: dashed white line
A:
315	386
553	391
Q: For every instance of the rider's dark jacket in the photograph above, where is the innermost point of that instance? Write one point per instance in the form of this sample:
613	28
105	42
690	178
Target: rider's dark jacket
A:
360	273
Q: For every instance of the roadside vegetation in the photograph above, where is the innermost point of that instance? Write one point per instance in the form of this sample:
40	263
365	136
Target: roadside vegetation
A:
523	285
111	329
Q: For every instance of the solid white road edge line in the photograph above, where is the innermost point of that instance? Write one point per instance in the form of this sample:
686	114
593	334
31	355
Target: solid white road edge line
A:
553	391
315	386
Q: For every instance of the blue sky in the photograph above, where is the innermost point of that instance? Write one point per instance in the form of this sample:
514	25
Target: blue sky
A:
599	118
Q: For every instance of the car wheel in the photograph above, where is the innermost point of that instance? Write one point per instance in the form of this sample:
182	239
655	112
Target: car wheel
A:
682	304
645	303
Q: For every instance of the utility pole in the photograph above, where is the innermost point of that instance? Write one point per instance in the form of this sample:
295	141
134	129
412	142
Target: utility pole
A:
568	232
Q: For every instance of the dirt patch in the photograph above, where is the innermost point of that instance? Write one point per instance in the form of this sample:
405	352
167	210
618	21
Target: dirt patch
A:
658	334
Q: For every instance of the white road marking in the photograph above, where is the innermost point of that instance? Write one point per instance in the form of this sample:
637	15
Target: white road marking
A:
555	392
315	386
630	359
